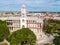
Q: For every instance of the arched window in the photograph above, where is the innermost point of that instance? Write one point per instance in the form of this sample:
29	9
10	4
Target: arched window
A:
23	20
23	26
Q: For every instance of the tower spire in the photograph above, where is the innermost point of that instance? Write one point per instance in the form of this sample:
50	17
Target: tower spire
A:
23	10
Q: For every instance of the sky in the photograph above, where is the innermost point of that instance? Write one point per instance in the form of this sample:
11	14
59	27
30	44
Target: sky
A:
31	5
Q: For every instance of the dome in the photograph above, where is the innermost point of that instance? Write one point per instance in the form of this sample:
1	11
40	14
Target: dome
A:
23	6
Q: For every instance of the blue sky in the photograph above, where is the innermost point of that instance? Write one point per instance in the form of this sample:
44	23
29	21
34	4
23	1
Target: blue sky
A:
31	5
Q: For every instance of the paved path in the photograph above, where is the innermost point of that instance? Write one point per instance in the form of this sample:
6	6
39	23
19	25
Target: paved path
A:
46	39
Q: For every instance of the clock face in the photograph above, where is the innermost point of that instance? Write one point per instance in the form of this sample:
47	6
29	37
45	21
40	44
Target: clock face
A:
23	20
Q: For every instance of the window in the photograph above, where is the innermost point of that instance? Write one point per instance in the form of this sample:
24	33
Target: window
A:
23	26
33	21
9	23
10	28
23	20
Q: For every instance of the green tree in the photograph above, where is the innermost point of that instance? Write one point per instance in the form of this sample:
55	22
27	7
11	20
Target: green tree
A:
52	26
23	36
47	44
4	31
56	41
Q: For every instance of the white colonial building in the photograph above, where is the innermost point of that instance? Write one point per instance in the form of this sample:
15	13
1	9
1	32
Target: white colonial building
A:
23	20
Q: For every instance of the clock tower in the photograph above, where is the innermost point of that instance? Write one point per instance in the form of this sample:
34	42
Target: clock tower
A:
23	17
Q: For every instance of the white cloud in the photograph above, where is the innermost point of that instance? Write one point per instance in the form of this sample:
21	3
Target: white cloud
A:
32	3
22	1
28	1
